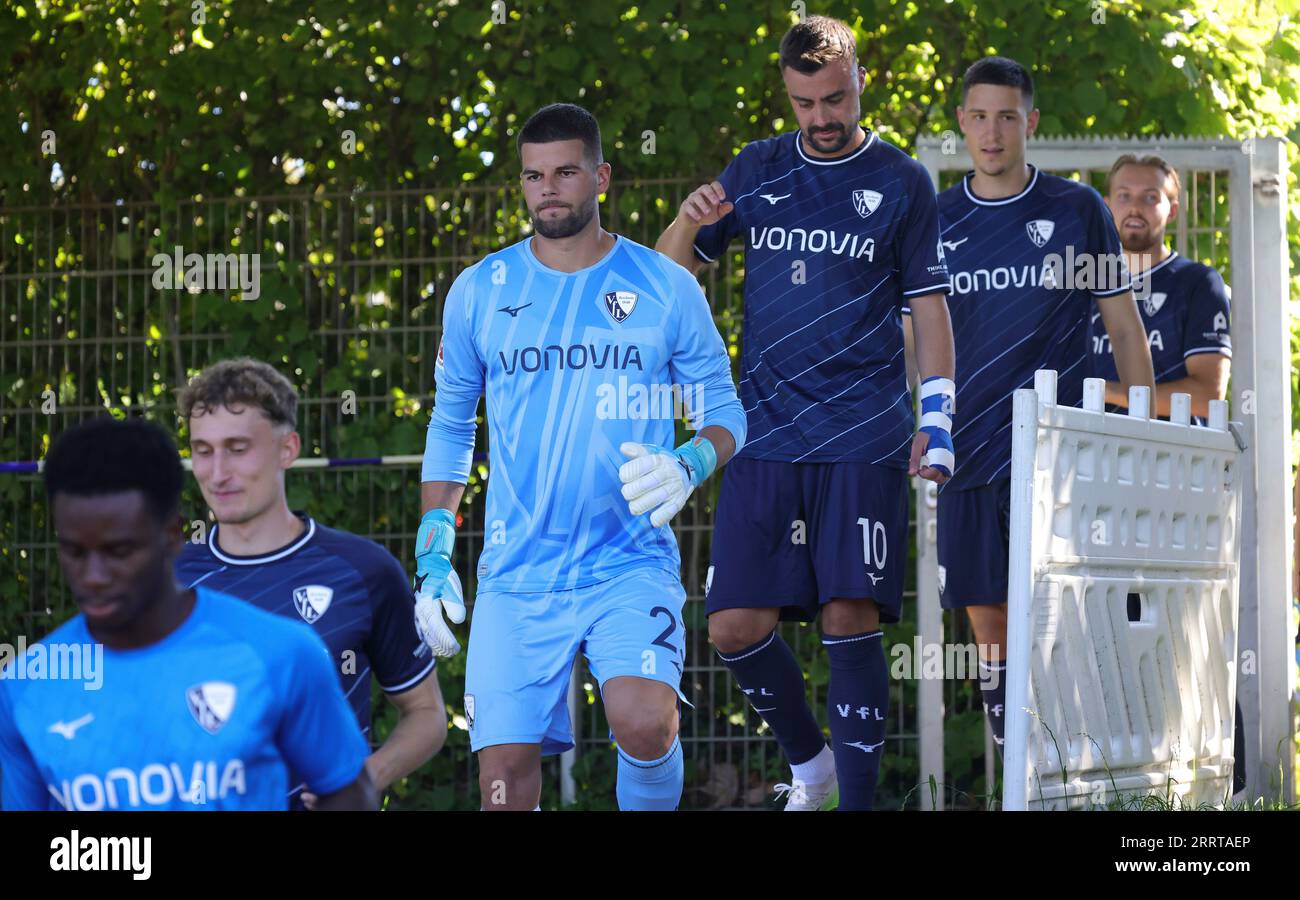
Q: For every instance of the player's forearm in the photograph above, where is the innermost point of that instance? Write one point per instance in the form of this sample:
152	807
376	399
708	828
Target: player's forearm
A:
1133	360
416	737
1201	394
440	495
724	444
932	337
909	353
678	244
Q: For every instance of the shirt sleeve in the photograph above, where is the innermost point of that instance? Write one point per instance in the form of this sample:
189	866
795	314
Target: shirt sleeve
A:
1103	244
1208	318
459	375
21	784
393	642
711	241
918	255
318	734
699	364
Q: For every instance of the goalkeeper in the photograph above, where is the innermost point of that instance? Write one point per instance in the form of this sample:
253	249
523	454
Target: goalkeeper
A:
575	334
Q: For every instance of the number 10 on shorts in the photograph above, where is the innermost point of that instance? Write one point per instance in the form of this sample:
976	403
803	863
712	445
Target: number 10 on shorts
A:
875	546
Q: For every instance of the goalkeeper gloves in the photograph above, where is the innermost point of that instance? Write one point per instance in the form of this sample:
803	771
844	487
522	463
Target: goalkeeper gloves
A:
938	404
437	589
660	480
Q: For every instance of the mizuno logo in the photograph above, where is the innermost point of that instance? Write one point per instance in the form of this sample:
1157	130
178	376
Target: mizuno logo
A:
953	245
764	709
773	199
875	579
514	310
69	729
865	748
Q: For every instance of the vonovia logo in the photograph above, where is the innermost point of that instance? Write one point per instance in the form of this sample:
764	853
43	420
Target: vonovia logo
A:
311	601
211	704
1040	231
620	304
865	202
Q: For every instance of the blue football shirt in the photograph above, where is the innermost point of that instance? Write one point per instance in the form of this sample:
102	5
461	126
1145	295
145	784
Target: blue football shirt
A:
213	716
834	249
1016	304
572	364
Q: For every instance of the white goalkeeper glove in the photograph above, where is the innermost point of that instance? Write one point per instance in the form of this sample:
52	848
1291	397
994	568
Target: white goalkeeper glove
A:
660	480
437	587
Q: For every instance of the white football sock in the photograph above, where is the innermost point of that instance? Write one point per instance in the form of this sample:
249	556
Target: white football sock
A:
816	770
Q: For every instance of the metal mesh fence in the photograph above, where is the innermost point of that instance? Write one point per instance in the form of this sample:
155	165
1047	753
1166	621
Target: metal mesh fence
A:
350	309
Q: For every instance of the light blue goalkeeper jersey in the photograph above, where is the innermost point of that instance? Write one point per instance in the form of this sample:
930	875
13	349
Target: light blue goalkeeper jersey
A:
573	364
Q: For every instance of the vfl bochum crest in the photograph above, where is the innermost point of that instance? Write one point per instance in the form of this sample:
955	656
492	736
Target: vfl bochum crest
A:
311	601
620	304
1040	230
1151	305
865	202
211	704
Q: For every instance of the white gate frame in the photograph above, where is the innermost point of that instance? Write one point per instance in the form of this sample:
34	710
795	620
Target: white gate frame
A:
1261	400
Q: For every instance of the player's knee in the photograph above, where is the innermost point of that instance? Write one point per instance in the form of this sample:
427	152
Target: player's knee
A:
842	617
731	632
505	783
645	734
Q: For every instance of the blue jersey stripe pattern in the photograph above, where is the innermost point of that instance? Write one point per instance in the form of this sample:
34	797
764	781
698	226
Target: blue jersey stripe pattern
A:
1013	310
833	247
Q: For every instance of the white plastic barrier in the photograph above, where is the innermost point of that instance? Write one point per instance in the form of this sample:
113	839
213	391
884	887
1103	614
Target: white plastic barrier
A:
1122	615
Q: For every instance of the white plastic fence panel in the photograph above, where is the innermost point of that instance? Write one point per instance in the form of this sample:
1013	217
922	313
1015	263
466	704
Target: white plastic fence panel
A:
1122	617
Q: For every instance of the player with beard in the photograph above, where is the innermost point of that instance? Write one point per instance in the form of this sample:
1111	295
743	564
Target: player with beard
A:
1184	304
559	330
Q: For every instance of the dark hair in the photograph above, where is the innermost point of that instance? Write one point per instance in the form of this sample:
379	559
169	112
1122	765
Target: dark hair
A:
105	456
816	41
1000	71
241	382
563	122
1150	160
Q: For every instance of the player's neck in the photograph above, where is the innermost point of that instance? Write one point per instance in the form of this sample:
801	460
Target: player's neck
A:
276	528
573	254
859	137
1007	184
1139	261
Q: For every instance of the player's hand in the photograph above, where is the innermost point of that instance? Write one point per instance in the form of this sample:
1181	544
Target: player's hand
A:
915	467
654	478
430	609
437	589
706	205
932	450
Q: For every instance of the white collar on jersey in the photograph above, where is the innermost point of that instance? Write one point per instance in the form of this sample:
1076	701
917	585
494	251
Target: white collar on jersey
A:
965	185
1158	266
798	145
265	558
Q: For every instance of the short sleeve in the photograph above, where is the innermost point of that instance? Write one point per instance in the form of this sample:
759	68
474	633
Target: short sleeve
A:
711	241
1208	317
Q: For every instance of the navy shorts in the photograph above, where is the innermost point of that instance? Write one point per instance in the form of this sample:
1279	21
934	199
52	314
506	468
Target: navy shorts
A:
974	536
797	535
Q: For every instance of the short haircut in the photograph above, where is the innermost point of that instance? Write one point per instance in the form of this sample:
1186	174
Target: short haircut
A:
1151	160
241	382
816	41
105	456
1000	71
563	122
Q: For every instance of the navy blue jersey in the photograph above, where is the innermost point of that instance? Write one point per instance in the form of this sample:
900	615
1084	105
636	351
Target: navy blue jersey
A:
1017	305
350	590
212	716
1184	306
833	247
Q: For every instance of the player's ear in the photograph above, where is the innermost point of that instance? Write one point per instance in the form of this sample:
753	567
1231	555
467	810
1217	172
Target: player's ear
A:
604	172
1033	122
290	447
174	533
961	118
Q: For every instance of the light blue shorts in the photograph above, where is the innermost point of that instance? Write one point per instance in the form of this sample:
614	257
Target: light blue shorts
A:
522	648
